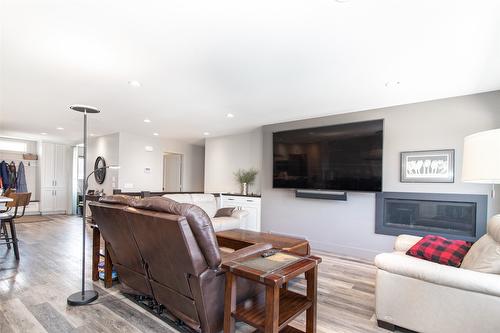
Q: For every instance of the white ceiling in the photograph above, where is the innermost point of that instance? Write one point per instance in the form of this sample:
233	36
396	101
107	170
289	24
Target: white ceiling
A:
265	61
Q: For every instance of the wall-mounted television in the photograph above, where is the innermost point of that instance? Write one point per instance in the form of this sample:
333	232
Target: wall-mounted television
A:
345	157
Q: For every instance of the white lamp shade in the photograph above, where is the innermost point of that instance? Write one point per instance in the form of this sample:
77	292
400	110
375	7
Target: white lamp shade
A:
481	158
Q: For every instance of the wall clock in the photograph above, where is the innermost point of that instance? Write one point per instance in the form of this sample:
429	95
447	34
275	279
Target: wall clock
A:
100	170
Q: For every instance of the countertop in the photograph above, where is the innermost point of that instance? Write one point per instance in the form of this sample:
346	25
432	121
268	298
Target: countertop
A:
252	195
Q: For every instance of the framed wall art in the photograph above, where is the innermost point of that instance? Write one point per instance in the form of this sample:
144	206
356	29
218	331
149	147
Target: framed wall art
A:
430	166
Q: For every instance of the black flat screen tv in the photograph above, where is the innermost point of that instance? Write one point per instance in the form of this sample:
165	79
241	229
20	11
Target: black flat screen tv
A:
345	157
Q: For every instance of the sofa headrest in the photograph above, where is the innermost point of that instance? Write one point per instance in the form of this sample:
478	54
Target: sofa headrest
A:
494	227
117	199
198	221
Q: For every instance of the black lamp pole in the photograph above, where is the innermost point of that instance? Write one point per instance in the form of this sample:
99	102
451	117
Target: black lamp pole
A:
84	296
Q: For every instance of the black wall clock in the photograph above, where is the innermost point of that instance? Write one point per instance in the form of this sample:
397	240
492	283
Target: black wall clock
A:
100	170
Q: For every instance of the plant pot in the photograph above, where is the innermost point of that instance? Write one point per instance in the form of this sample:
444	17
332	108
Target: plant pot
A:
244	188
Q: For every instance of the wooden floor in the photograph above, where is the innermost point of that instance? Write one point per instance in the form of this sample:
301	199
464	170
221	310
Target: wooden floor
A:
33	293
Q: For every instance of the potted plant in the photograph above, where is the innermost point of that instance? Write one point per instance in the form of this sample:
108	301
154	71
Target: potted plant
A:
245	178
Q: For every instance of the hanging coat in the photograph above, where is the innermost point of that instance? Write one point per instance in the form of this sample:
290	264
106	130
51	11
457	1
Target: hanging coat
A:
21	179
4	173
12	174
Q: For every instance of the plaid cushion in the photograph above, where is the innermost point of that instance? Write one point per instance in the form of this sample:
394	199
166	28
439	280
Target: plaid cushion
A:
440	250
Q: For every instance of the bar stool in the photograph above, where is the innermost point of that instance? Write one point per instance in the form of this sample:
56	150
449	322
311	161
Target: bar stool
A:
20	200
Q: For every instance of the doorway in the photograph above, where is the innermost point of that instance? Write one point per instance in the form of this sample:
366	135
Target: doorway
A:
172	172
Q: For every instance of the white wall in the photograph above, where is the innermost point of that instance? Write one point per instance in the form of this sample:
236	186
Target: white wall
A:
348	227
106	146
225	155
134	159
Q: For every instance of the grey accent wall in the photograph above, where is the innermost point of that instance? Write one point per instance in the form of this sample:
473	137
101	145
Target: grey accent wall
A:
349	227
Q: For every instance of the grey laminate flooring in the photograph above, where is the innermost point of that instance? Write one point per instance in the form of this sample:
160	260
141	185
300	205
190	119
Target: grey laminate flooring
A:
33	292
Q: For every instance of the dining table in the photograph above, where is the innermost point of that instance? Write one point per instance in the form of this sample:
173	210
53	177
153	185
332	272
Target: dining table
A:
5	199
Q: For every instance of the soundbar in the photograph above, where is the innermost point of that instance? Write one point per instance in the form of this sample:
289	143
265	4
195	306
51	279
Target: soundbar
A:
319	194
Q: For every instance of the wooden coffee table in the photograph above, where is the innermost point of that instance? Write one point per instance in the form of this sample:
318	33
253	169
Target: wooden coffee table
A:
239	238
273	311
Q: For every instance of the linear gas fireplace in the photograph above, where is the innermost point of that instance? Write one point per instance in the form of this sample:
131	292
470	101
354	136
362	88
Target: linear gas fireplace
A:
457	216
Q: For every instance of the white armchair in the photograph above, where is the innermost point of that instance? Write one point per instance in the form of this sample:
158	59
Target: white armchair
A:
428	297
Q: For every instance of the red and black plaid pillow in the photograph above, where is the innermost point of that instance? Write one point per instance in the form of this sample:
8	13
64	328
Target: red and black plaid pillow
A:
440	250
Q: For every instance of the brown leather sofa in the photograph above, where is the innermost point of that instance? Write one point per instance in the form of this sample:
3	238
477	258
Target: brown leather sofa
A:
168	251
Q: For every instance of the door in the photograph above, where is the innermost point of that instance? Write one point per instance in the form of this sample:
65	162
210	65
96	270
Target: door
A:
172	172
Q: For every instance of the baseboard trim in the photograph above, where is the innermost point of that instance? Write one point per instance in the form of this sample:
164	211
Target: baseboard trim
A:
345	250
59	212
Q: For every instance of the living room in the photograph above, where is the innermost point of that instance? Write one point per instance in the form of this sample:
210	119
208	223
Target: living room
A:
269	166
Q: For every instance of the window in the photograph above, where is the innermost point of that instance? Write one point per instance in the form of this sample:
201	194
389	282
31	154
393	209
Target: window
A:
80	168
9	145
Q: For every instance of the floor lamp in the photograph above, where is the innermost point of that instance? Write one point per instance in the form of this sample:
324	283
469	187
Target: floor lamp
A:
84	296
481	158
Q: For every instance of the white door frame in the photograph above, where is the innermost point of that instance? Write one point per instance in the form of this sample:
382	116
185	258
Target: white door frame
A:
182	169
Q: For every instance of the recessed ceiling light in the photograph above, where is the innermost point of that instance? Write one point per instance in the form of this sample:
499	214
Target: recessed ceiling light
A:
206	133
230	115
60	128
147	120
43	133
392	84
134	83
92	134
156	134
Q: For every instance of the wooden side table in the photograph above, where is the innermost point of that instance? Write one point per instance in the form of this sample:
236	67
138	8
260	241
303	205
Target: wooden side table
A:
240	238
273	311
96	255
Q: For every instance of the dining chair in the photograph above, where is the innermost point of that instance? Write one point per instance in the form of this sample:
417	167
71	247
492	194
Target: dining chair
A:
19	200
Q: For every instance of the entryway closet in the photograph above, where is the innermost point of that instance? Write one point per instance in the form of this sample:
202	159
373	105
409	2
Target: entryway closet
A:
53	171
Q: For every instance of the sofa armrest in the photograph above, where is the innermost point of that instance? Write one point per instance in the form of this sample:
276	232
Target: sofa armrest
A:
239	214
405	242
459	278
246	251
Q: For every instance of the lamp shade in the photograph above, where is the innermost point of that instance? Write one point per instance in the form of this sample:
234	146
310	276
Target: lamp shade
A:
481	158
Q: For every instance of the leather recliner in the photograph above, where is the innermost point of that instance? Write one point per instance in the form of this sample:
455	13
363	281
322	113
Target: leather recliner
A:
168	251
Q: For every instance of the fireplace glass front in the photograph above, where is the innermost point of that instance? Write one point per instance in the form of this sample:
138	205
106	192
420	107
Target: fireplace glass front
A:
420	214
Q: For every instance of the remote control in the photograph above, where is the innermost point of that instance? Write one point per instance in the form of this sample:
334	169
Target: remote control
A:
269	253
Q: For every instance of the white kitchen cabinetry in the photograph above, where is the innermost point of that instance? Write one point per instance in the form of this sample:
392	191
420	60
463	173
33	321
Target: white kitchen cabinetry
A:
53	172
248	203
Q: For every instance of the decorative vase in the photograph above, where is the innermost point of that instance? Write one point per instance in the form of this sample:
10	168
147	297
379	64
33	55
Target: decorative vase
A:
244	188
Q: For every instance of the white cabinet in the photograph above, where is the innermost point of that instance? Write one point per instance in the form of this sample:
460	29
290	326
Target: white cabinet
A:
248	203
53	201
60	167
53	172
47	155
60	203
47	202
